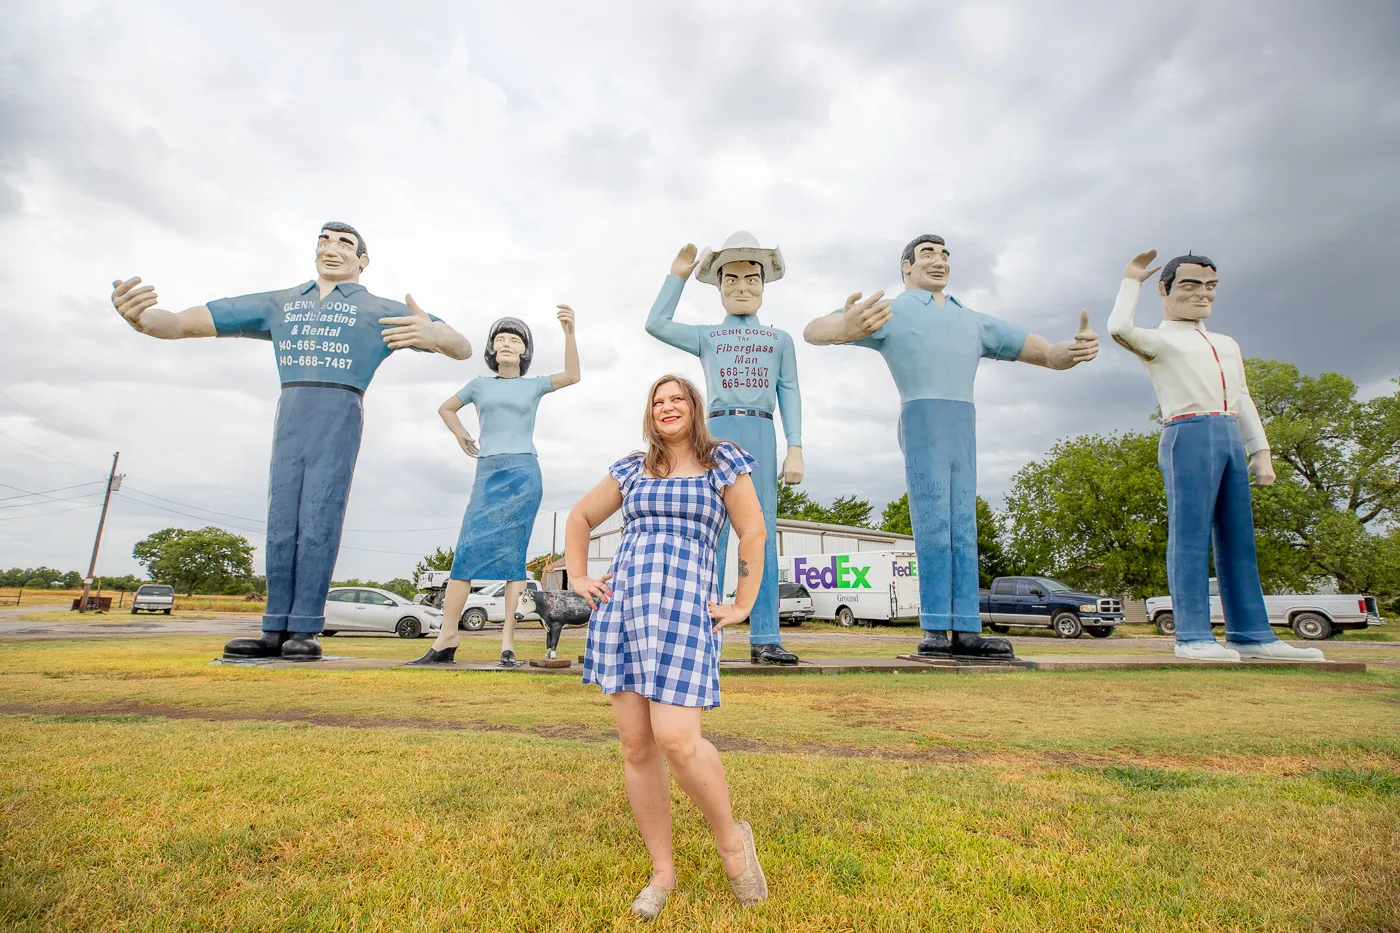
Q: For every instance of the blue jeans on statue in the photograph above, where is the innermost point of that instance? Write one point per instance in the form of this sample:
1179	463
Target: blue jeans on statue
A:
1207	478
314	448
939	441
756	435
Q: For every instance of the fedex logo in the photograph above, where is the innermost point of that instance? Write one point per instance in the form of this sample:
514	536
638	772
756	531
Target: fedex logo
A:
838	574
905	570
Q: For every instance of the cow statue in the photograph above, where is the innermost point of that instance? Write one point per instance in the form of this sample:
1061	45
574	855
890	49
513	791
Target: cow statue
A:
556	608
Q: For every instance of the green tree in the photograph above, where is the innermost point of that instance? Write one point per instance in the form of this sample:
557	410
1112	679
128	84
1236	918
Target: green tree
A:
440	559
992	559
401	587
1092	512
204	559
1334	510
844	510
848	510
794	503
123	584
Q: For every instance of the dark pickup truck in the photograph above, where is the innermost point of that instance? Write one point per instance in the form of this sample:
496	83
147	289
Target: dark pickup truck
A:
1041	602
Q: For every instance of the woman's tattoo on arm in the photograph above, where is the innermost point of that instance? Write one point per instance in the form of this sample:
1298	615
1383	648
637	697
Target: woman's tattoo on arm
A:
743	567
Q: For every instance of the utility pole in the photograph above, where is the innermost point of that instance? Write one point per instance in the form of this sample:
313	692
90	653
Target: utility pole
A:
114	482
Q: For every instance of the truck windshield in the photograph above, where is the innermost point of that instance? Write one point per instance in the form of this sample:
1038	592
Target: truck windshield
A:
1051	586
792	591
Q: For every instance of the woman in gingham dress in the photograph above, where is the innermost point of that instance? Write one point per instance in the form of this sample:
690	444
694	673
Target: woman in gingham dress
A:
654	638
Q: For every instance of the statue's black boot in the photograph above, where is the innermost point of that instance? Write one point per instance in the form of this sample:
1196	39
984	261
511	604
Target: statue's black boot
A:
971	645
301	646
935	645
508	659
434	656
266	645
771	654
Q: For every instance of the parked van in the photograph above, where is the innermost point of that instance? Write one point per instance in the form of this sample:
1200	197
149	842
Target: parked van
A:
865	586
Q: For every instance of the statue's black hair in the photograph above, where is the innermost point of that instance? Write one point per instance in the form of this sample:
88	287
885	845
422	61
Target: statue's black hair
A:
1169	270
339	227
908	254
510	325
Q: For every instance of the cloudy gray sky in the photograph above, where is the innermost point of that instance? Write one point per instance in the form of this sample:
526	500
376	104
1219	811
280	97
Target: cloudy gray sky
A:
502	158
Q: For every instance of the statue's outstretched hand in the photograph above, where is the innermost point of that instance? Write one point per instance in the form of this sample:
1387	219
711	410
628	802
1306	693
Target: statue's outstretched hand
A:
863	318
1138	270
685	262
131	302
414	330
566	318
1086	343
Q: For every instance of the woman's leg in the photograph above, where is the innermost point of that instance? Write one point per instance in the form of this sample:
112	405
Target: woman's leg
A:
648	786
696	766
514	590
453	602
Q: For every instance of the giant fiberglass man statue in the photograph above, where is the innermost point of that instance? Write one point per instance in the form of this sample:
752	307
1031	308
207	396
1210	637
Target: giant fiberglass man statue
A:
932	345
750	372
1212	443
329	335
507	490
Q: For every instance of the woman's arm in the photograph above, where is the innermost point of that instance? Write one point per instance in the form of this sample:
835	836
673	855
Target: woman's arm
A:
570	375
590	512
746	515
448	410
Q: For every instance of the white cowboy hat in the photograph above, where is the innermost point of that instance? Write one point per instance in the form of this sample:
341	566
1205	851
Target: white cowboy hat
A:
740	247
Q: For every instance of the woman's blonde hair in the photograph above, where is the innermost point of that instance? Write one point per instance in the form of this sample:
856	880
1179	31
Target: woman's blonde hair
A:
658	459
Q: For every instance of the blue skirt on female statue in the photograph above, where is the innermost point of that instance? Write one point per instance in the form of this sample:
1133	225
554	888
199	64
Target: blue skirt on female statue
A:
500	516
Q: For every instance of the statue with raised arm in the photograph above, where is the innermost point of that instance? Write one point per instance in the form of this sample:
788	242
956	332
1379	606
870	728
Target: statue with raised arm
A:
932	345
750	373
508	487
1212	444
329	336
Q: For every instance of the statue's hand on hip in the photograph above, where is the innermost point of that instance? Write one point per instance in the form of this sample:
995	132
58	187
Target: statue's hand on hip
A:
132	301
468	445
863	318
1261	467
793	466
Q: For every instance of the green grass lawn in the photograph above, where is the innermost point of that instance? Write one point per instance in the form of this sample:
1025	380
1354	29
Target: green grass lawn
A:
143	789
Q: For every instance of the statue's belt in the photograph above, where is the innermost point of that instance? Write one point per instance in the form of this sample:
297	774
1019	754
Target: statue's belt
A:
721	412
323	385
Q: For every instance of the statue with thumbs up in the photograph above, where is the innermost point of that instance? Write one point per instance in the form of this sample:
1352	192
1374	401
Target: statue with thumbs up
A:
932	345
329	336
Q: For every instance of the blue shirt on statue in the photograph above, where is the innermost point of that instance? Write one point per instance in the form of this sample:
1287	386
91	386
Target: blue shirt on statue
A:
747	365
506	409
933	351
336	339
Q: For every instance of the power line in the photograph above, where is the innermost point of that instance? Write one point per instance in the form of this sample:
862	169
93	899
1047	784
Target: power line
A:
198	508
25	494
15	518
44	420
47	454
47	499
202	518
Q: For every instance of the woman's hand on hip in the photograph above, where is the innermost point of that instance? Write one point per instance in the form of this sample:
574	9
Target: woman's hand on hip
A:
722	614
595	591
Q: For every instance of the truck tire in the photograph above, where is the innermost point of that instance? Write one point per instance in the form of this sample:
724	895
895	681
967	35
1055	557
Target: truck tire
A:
167	612
998	628
474	620
845	617
1067	625
1099	631
1311	626
1166	624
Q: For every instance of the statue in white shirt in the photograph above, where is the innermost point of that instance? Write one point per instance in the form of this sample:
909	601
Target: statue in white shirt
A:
1213	445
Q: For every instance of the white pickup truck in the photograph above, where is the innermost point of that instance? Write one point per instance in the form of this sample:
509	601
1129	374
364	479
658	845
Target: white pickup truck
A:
153	597
1311	617
485	603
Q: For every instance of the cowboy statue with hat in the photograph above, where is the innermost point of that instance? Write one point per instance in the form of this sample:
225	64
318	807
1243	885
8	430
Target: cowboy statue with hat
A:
750	371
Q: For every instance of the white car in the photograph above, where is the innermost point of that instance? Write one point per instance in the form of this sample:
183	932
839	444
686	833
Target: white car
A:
1312	617
153	597
362	609
489	605
794	604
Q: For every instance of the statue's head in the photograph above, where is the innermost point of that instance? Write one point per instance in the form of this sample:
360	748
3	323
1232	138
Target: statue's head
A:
1187	286
741	287
340	253
924	263
509	342
740	268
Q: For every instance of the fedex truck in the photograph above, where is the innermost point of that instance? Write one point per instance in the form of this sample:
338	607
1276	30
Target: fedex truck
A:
869	586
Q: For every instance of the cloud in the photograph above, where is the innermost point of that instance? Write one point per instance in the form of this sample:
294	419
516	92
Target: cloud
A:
502	159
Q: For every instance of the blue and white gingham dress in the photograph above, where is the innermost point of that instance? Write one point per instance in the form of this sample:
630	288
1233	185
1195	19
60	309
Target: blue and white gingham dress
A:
654	636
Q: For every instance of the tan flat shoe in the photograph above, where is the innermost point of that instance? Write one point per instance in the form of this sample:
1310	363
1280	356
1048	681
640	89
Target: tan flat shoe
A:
650	901
751	887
